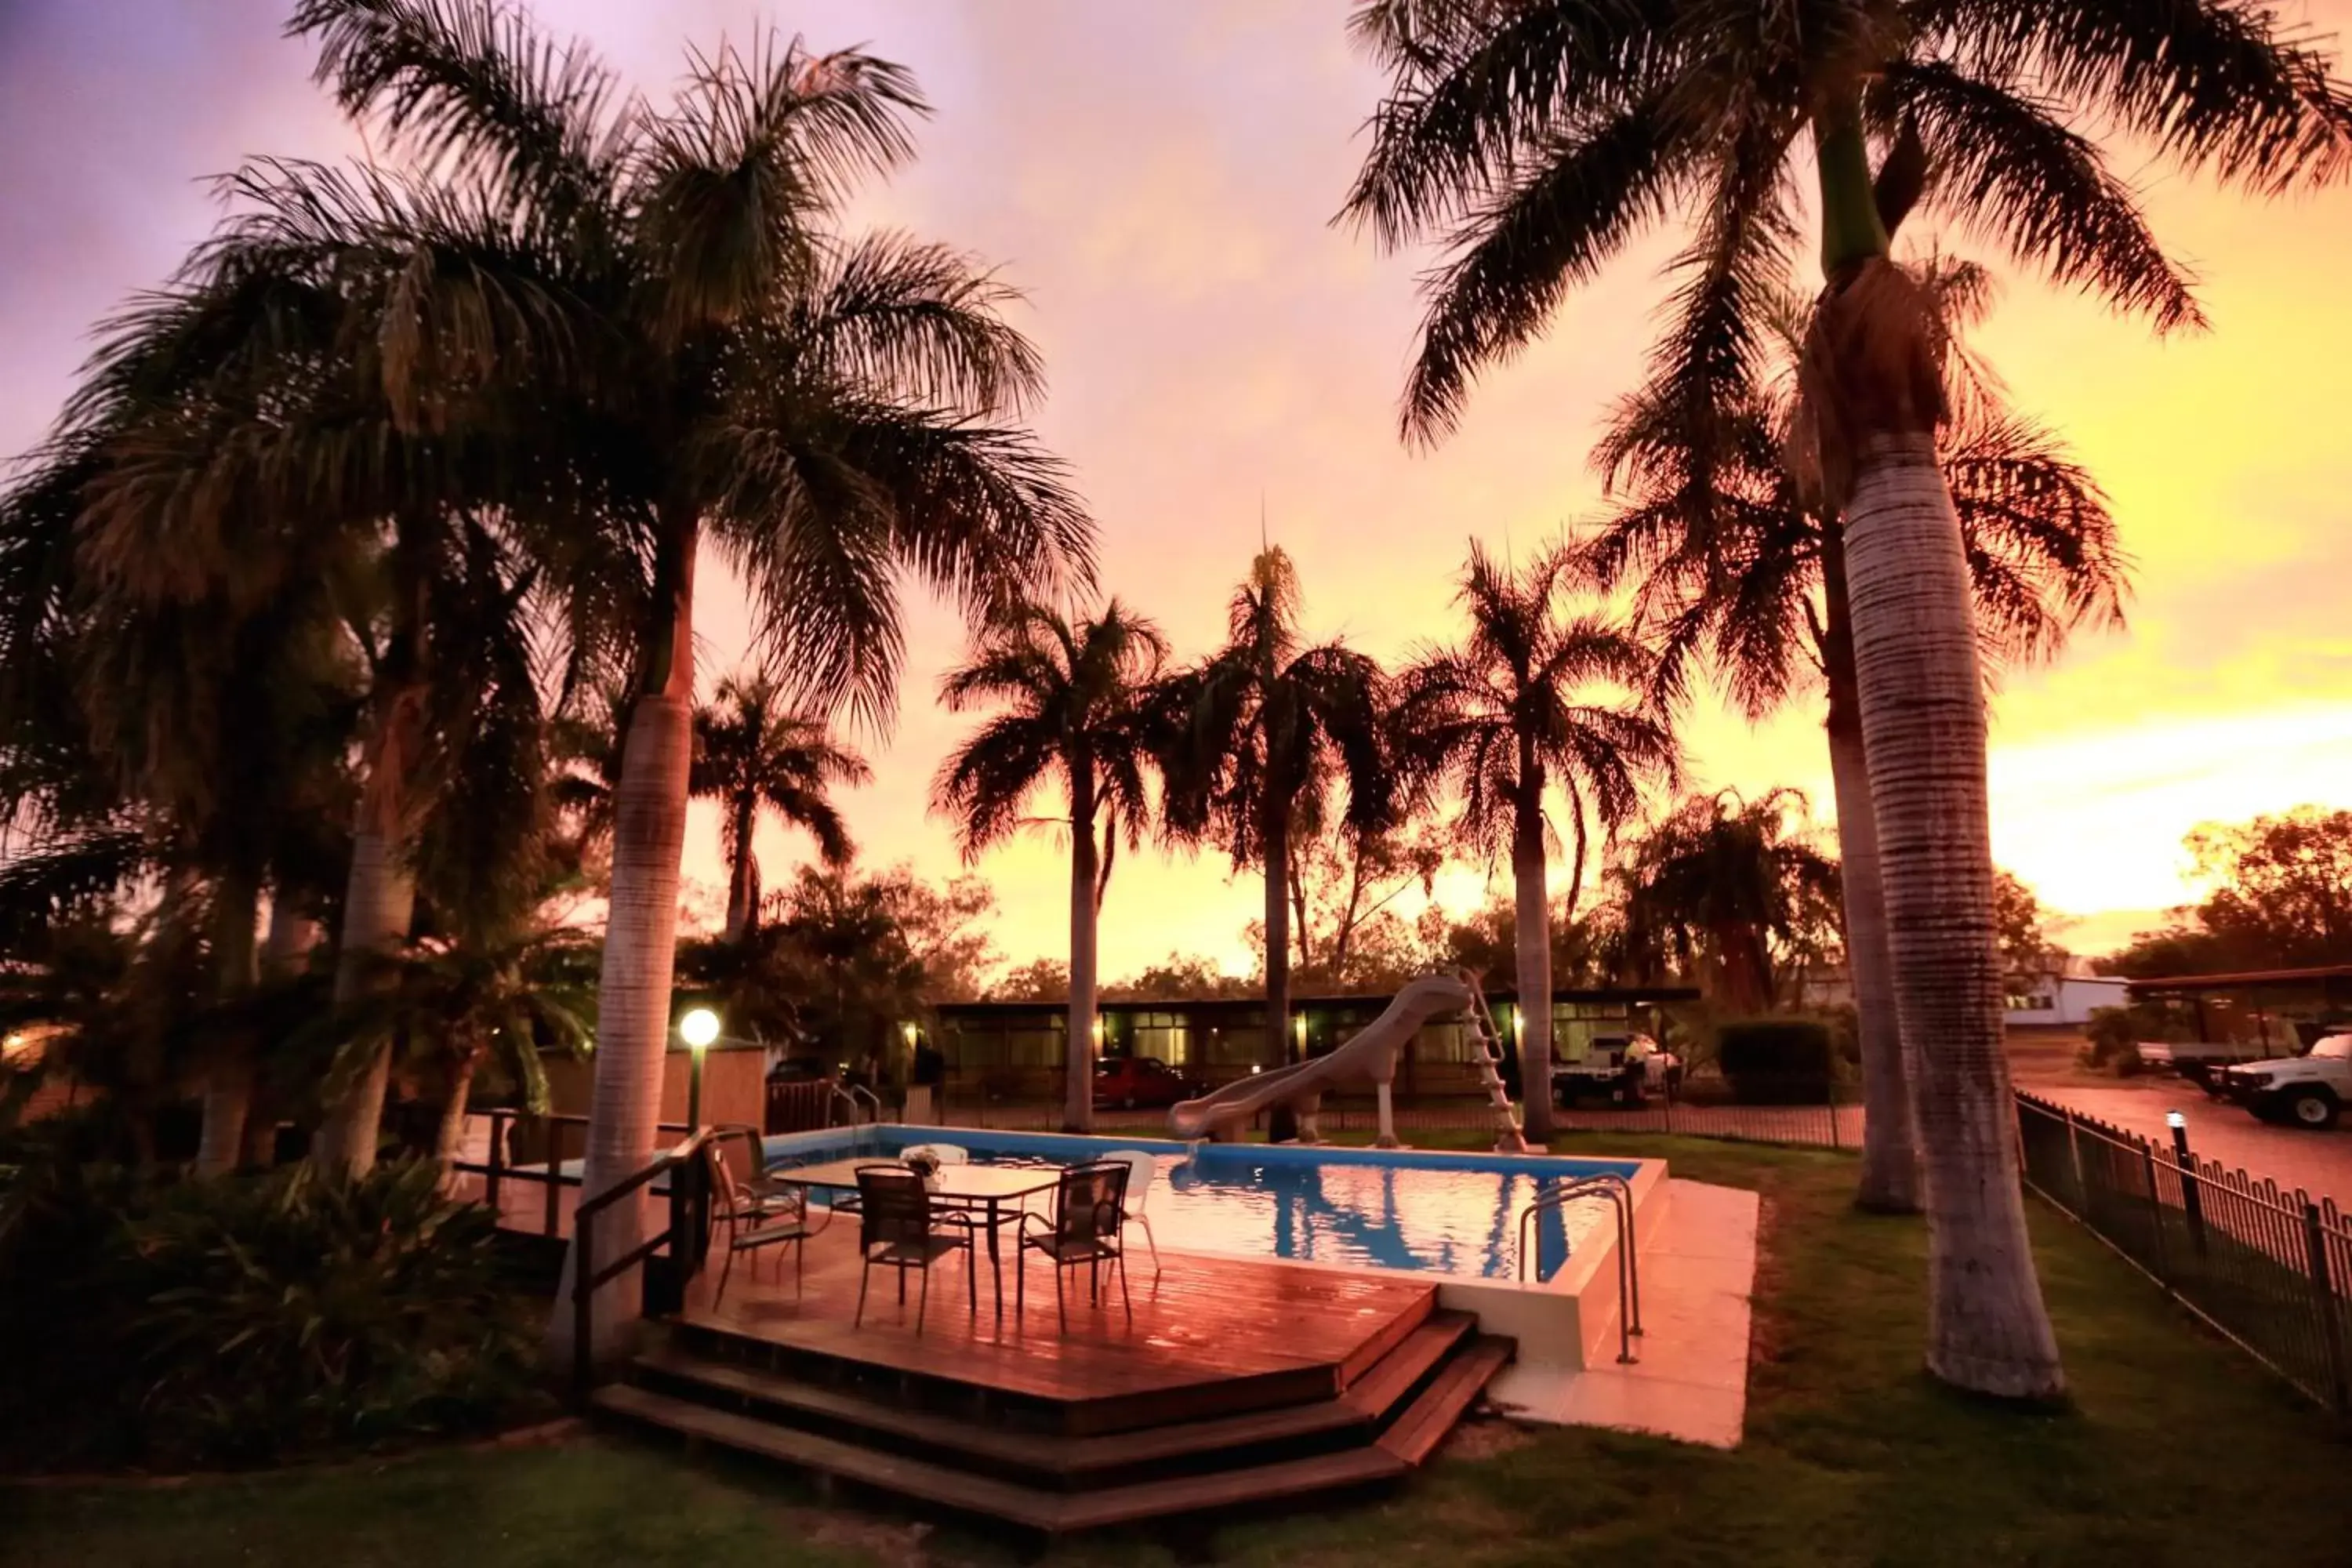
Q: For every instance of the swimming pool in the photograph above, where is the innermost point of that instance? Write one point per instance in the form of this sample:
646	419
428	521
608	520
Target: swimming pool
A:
1455	1216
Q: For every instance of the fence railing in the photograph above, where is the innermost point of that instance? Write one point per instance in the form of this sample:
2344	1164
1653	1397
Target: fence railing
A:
2270	1270
1824	1123
529	1161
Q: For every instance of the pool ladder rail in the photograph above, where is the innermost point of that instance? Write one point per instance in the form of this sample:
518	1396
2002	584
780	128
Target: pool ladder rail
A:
1619	1194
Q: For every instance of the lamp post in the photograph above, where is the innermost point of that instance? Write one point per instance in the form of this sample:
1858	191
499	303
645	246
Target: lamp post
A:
698	1029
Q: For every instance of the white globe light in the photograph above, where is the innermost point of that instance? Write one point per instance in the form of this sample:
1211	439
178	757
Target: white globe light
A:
700	1028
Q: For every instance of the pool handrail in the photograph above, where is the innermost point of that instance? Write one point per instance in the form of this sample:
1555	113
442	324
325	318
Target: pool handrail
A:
1619	1192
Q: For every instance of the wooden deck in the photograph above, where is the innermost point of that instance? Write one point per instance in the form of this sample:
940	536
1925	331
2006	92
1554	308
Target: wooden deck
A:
1208	1336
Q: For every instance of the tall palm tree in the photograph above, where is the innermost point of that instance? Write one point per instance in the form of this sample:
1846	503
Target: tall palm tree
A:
1721	886
1533	699
1541	138
719	362
752	753
1077	706
1739	562
1259	735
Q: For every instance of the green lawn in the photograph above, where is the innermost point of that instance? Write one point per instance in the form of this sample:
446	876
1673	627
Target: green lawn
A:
2176	1450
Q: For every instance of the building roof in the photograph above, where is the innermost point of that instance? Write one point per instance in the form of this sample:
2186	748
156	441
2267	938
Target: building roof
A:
2184	984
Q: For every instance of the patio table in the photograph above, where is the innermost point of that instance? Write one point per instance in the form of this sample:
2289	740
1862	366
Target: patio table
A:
991	1195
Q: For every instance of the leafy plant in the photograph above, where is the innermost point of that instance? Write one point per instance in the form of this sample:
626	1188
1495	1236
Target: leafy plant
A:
248	1319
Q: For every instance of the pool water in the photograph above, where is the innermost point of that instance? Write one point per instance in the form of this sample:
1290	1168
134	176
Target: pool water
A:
1360	1208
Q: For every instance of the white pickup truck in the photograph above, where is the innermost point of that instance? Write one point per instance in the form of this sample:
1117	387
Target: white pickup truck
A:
2308	1090
1625	1069
2202	1062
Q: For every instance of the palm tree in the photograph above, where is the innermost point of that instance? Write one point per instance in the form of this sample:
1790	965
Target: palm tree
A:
751	753
452	1007
1541	138
1741	564
1077	706
1258	736
1726	887
1512	712
196	737
713	358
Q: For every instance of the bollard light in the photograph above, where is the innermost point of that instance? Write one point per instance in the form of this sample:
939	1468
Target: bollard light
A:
2175	1121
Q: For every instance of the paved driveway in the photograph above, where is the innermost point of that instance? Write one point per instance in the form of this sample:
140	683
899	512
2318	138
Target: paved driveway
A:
2319	1163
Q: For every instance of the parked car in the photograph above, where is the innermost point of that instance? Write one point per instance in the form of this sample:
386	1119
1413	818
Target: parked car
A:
2202	1062
1625	1069
2308	1090
1126	1082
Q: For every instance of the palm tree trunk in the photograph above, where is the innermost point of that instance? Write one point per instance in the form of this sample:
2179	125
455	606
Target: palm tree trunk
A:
743	873
1923	721
1532	929
380	896
1277	923
286	948
449	1143
1890	1156
379	905
633	998
228	1086
291	937
1583	849
1078	1083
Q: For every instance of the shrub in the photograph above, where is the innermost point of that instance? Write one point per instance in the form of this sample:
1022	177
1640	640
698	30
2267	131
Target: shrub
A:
249	1319
1777	1061
2112	1035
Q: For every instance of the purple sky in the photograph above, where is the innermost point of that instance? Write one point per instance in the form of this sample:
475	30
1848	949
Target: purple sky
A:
1158	179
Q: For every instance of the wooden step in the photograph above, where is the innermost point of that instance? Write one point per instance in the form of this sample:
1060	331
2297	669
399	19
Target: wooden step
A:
1228	1490
953	1489
1051	1513
1399	1372
1054	1458
1415	1435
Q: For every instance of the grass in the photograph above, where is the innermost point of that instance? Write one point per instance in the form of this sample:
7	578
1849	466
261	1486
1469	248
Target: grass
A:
2174	1450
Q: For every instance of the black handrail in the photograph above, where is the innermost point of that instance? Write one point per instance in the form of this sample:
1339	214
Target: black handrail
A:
1619	1192
549	1174
690	1220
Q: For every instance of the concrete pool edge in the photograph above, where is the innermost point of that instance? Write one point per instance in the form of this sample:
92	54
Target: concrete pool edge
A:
1565	1323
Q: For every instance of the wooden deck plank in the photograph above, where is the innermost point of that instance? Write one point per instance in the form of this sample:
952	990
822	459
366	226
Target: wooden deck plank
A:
1203	1323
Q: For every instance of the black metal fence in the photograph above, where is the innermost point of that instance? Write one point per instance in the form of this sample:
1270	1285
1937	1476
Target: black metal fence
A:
1702	1109
2269	1270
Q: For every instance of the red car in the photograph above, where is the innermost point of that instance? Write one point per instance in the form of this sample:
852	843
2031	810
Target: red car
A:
1126	1082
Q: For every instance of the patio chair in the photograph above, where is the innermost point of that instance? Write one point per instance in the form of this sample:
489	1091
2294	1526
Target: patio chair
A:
754	1218
899	1227
1090	1206
1141	1168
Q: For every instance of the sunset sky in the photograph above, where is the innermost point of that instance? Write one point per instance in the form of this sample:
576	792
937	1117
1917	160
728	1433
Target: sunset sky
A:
1159	180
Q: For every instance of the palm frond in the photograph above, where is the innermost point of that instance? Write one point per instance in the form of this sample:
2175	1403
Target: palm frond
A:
2219	84
470	87
2005	165
1514	258
921	323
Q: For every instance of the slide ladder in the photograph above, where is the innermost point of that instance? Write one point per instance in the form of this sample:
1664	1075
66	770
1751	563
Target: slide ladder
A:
1510	1138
